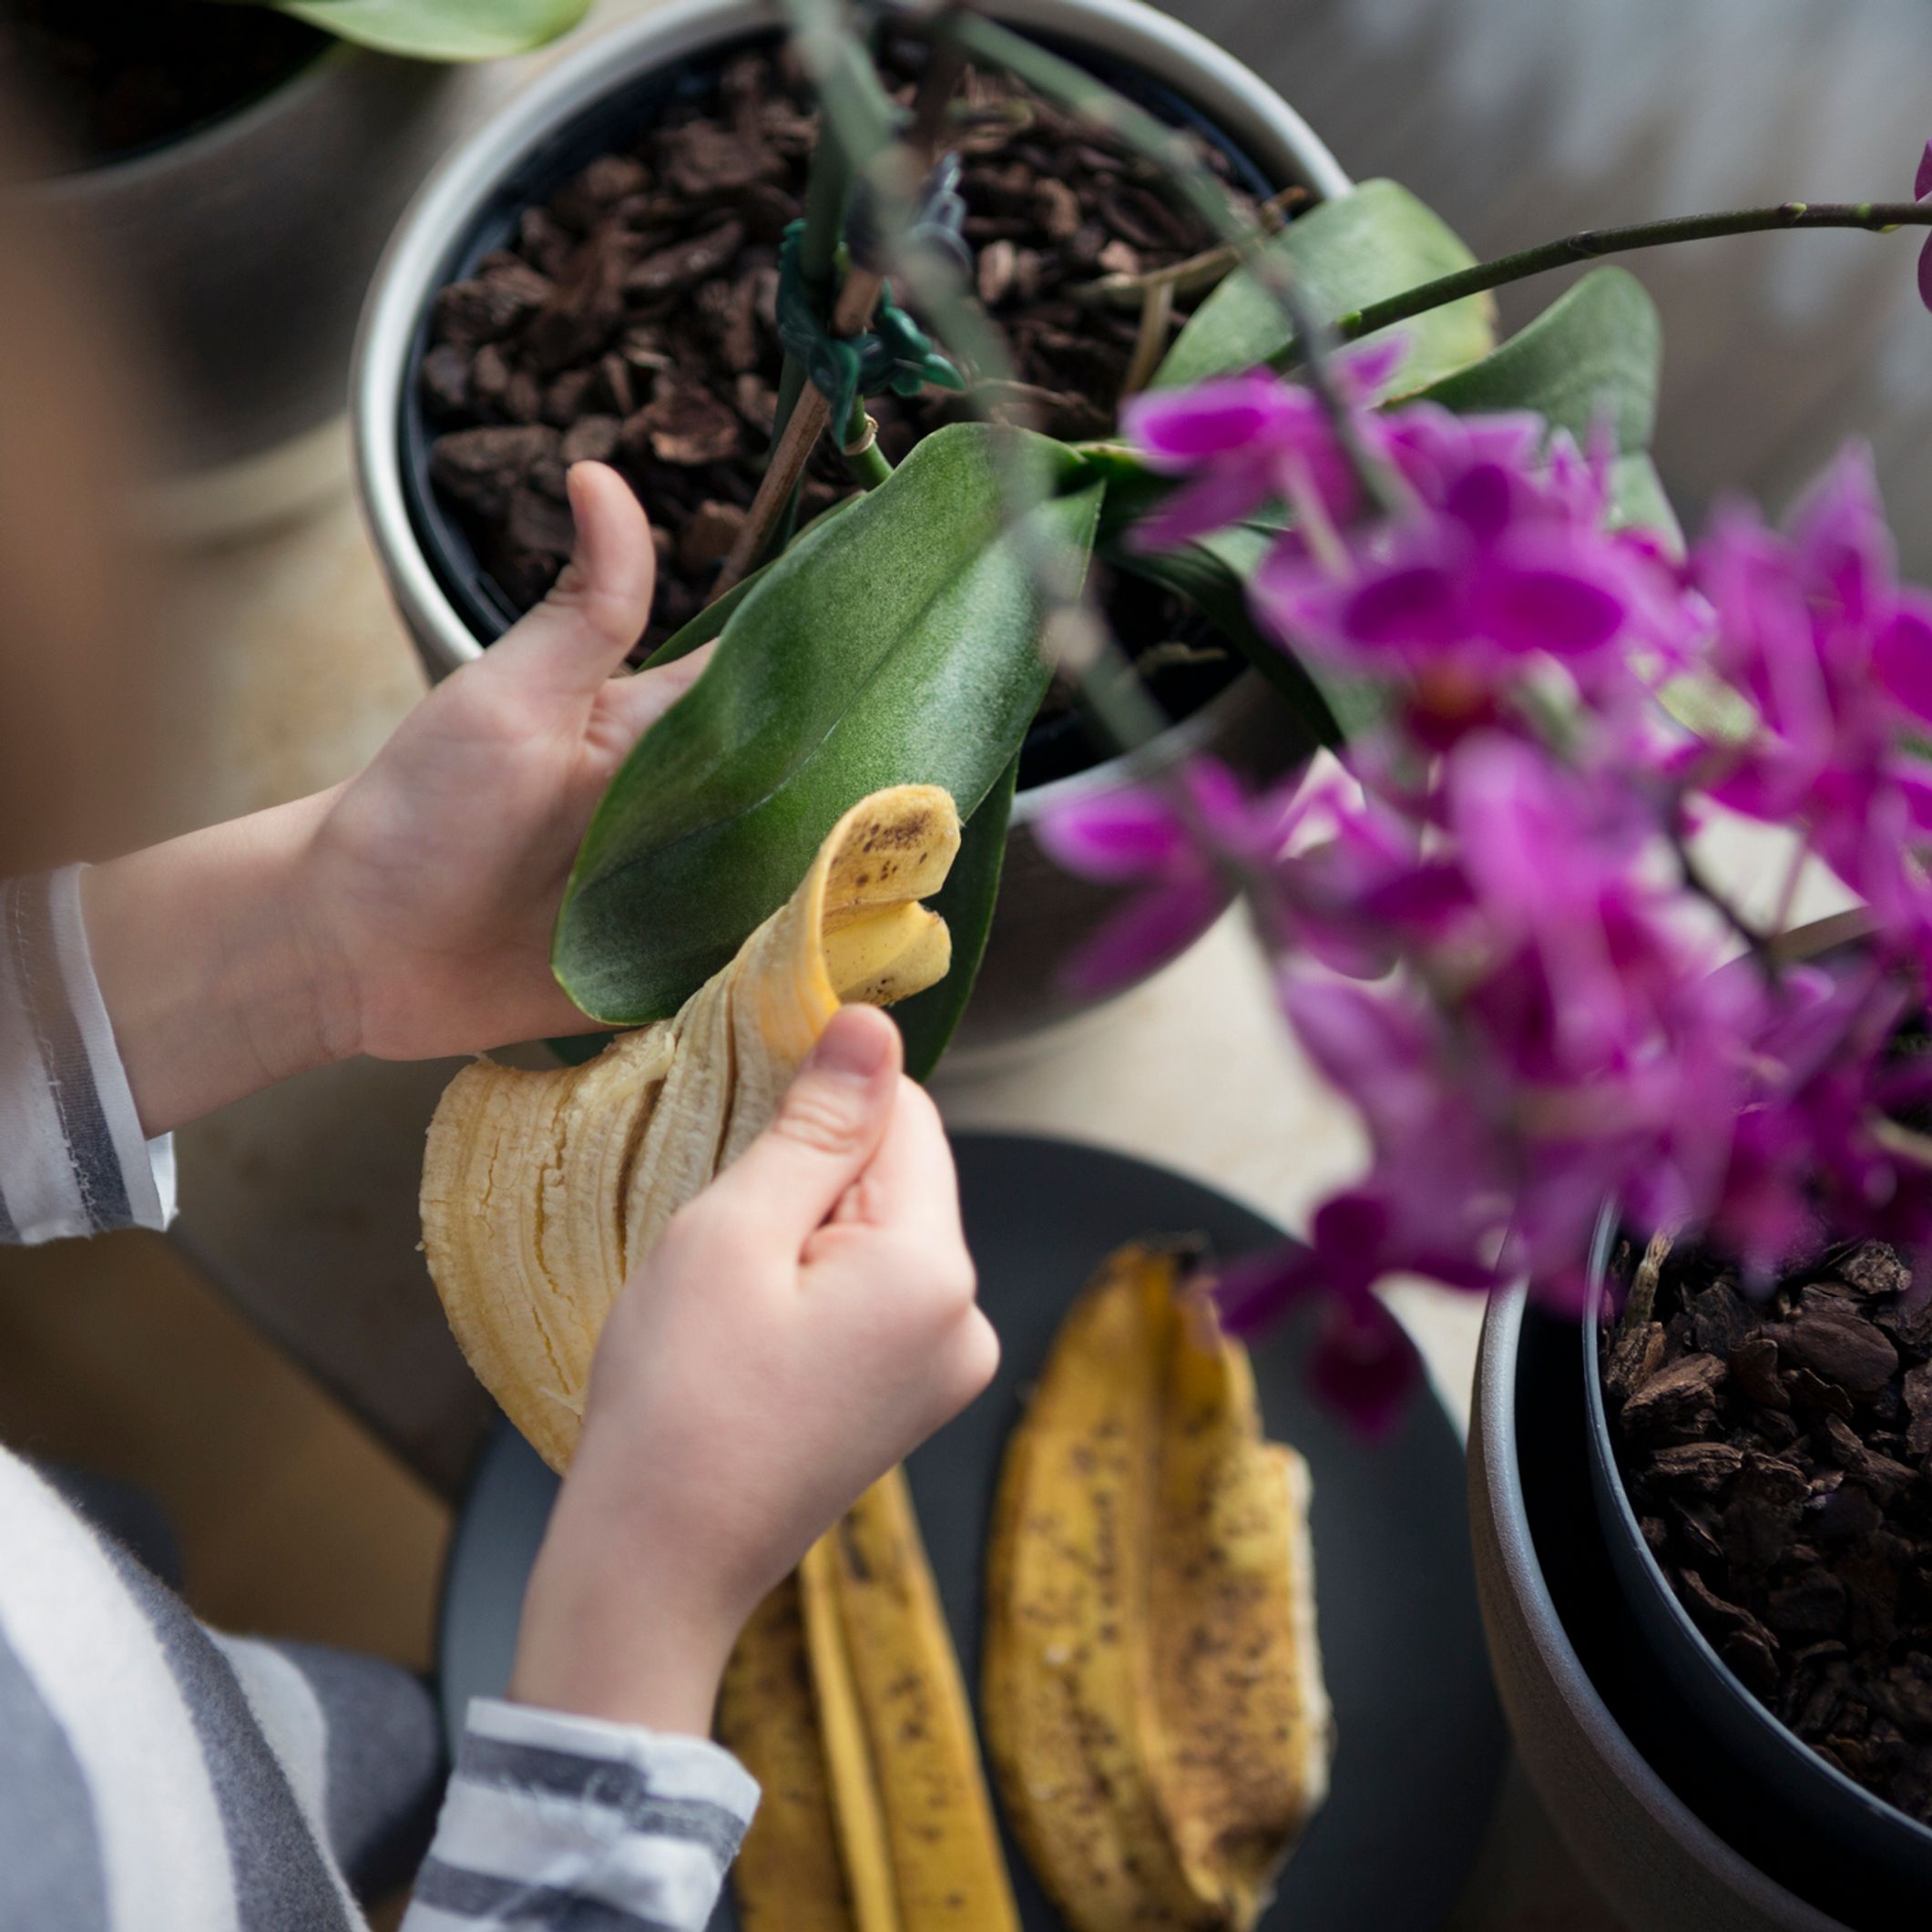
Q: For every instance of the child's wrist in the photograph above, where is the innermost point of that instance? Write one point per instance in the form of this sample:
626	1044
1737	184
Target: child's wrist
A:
213	975
615	1630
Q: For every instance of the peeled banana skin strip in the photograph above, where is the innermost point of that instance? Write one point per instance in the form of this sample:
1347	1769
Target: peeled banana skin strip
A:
1151	1686
910	1816
790	1876
541	1192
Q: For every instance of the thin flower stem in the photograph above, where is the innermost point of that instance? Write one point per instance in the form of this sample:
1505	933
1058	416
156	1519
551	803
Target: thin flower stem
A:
1788	891
1157	316
1591	244
860	448
1696	881
1192	276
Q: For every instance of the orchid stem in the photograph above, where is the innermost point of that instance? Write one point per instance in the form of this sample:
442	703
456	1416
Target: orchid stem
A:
1788	891
1695	881
1592	244
859	447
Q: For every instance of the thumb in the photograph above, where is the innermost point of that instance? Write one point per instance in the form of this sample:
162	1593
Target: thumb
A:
828	1127
578	637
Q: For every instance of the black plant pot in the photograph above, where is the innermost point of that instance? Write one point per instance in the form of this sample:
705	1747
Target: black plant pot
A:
1650	1810
1842	1842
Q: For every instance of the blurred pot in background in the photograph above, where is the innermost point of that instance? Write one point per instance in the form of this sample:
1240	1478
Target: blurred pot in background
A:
234	172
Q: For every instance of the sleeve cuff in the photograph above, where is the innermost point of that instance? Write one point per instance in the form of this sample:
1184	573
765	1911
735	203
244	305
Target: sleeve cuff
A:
547	1813
73	1160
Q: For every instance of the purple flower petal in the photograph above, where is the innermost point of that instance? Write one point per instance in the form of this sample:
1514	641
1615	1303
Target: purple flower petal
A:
1181	428
1925	275
1902	656
1151	929
1917	787
1366	1366
1922	185
1364	373
1416	605
1481	499
1114	836
1221	495
1839	538
1539	608
1371	1045
1254	1293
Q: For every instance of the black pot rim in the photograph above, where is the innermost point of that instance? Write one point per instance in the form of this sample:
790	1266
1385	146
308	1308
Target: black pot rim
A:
1844	1792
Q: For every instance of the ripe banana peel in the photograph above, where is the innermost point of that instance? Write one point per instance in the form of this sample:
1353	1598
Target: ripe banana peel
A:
790	1876
1152	1689
844	1699
541	1192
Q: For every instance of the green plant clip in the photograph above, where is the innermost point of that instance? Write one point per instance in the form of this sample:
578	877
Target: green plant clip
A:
894	354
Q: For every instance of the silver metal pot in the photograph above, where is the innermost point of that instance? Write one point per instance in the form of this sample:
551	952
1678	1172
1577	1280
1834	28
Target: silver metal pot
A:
242	251
1043	914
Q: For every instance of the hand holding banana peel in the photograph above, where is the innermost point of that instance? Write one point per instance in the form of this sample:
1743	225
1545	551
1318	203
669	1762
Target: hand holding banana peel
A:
716	1276
774	1266
798	1329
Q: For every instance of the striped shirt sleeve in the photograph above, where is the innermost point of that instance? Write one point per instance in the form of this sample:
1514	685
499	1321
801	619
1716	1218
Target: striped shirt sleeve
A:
73	1159
559	1821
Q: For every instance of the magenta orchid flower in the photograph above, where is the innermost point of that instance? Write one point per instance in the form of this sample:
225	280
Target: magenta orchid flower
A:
1246	441
1182	852
1362	1361
1491	937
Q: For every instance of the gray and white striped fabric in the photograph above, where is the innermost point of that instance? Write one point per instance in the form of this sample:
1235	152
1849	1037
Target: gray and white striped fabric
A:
73	1160
156	1777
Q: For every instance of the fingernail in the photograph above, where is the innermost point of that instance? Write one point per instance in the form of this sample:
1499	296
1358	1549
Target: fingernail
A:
853	1048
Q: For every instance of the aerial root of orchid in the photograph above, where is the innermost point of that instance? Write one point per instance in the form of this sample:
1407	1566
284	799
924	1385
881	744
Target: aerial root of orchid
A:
1485	932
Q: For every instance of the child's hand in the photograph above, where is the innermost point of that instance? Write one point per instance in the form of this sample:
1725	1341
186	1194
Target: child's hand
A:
406	914
807	1321
435	876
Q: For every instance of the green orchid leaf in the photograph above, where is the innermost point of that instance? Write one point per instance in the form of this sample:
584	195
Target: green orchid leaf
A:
1212	575
1360	248
1638	501
929	1019
1592	356
442	29
896	643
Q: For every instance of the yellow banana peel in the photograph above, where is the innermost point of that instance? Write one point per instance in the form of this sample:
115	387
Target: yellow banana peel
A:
918	1850
789	1877
1152	1690
541	1192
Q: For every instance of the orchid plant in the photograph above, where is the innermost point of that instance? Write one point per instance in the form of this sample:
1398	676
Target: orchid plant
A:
1453	559
1487	926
